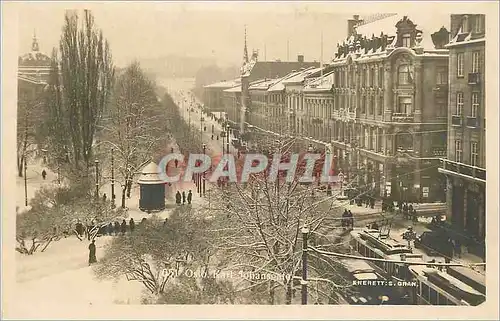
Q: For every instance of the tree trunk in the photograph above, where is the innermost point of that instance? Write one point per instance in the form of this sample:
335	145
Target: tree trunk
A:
271	292
20	163
289	292
124	191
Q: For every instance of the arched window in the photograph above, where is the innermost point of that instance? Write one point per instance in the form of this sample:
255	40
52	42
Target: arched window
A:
404	142
404	75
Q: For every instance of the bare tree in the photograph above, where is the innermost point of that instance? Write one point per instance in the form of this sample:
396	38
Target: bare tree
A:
87	74
259	231
135	124
53	214
157	252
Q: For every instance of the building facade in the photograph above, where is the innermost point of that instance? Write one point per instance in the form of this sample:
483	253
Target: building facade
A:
389	114
465	165
34	65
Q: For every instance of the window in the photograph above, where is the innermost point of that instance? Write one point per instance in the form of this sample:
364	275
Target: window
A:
374	139
474	156
363	105
458	150
460	64
405	106
460	104
465	24
475	105
475	61
442	76
406	41
381	105
404	75
478	24
372	77
372	106
441	109
381	77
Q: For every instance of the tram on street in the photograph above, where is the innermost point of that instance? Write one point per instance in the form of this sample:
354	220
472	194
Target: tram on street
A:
433	285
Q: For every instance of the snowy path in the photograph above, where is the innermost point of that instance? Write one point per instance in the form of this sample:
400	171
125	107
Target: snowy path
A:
61	274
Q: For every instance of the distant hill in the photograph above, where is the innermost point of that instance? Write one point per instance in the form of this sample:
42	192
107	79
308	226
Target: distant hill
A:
174	66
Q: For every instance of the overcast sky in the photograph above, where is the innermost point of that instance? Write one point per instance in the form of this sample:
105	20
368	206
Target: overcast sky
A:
153	29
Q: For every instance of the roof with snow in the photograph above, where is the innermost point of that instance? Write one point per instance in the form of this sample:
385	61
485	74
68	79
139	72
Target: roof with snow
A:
255	69
378	38
225	84
301	75
150	175
322	83
426	22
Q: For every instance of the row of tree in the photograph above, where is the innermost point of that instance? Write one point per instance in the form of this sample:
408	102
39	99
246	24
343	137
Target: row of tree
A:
87	112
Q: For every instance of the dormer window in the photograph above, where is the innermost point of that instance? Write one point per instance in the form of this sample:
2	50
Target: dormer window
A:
406	40
465	24
478	24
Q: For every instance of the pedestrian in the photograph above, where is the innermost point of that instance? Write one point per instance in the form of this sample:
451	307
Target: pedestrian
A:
92	256
217	137
123	227
165	222
117	228
176	162
183	197
178	198
212	136
104	197
344	218
110	228
44	174
171	150
79	228
190	197
132	225
351	219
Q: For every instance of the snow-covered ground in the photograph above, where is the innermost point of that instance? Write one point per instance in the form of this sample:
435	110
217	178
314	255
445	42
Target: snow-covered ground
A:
61	274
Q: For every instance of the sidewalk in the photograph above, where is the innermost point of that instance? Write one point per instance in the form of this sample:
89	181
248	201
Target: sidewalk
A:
34	181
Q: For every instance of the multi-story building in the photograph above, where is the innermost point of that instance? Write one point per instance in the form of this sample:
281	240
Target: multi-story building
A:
390	106
213	94
465	164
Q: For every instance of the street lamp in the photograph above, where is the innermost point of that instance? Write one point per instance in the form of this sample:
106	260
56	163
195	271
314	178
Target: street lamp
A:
227	135
204	152
97	179
303	282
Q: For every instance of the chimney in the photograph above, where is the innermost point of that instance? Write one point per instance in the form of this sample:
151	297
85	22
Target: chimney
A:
300	58
351	23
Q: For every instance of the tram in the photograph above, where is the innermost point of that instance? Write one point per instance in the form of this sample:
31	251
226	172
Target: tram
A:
368	286
450	286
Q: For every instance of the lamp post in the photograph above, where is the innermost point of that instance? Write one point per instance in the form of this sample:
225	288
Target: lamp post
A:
227	134
112	178
303	282
204	152
96	180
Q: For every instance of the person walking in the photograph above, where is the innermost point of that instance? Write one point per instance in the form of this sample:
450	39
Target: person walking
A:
92	250
104	197
176	162
178	198
190	197
117	228
123	227
132	225
110	228
183	197
79	229
44	174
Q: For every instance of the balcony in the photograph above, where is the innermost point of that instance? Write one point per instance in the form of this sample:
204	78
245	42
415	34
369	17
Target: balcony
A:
402	118
474	78
464	171
456	120
439	152
472	122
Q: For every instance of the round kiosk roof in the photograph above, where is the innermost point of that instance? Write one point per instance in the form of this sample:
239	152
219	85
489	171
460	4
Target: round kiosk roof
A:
150	175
